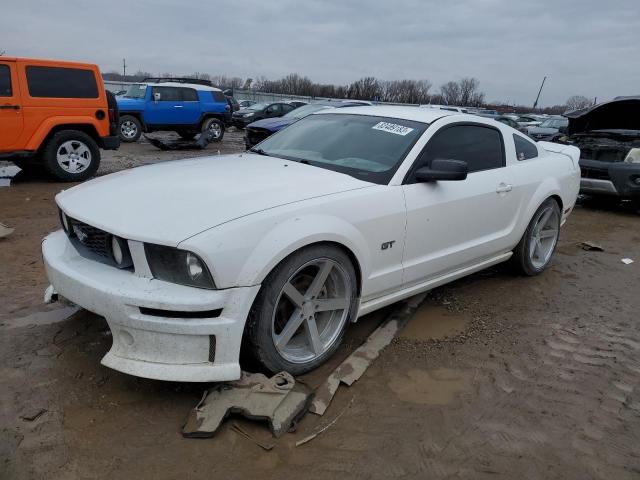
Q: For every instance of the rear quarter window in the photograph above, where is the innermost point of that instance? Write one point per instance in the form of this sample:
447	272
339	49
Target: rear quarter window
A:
5	81
525	149
218	96
58	82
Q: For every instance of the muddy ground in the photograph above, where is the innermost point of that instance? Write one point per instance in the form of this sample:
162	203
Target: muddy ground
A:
495	376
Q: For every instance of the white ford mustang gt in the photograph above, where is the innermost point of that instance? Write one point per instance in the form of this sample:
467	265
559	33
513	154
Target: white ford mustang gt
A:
276	250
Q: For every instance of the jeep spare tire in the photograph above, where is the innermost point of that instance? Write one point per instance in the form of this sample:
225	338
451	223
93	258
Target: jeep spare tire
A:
130	128
71	156
215	127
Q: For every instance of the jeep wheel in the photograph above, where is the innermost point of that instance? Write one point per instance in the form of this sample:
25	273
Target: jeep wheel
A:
215	127
71	156
130	128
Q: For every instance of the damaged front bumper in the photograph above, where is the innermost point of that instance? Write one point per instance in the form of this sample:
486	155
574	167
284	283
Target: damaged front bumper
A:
160	330
606	178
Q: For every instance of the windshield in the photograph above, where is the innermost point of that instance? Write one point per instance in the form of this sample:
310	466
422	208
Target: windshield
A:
136	91
305	110
366	147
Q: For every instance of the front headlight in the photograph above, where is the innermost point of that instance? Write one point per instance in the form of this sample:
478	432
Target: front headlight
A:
633	156
178	266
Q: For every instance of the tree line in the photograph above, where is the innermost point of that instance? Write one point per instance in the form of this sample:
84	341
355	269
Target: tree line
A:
465	92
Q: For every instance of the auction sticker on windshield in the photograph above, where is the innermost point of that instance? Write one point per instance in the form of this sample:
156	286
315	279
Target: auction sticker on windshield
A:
392	128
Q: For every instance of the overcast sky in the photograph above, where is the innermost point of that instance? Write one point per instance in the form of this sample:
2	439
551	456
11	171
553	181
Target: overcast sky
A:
587	47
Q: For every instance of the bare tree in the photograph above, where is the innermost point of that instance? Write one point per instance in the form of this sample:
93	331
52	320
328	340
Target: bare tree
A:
450	93
1	52
576	102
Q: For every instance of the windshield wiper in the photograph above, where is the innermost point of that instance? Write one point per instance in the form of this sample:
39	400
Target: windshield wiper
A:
259	151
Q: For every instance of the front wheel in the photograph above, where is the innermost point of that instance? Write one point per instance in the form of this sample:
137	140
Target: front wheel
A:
534	251
130	128
302	310
71	156
215	128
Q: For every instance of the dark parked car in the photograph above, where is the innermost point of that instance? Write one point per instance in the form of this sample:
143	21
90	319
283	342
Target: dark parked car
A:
258	111
258	131
608	136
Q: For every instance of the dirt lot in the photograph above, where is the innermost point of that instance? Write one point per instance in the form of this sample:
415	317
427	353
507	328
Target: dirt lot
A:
496	376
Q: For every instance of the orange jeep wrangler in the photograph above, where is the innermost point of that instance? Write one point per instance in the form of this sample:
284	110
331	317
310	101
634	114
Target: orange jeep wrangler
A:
55	115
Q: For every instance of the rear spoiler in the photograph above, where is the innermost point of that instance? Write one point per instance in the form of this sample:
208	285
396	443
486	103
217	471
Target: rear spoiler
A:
569	150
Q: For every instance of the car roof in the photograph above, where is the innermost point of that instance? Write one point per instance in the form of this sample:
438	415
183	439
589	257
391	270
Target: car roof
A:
425	115
195	86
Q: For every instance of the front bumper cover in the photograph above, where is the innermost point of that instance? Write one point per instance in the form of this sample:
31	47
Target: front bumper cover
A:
151	345
619	178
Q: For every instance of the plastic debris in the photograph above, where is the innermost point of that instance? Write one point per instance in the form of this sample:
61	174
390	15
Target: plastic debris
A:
277	399
5	231
200	143
591	246
627	261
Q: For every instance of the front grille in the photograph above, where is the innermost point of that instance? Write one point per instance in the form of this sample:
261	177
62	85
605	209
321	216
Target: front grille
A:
594	173
212	348
96	240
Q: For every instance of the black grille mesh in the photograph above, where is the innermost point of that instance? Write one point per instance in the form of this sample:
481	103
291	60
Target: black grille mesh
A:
212	348
93	238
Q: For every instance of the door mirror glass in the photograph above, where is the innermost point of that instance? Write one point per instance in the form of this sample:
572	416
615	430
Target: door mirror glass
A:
442	170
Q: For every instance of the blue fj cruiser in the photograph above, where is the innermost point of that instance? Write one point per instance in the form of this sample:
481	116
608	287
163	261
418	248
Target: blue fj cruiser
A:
185	106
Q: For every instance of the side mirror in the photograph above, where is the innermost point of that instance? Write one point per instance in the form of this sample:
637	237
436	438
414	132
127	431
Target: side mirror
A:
156	97
442	169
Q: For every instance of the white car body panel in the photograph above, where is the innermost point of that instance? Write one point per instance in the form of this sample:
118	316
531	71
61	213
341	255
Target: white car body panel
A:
243	214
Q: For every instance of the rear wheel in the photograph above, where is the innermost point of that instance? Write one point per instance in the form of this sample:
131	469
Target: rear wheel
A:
301	312
71	156
215	127
130	128
534	251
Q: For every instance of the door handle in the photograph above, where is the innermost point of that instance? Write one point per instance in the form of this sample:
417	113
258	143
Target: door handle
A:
9	107
504	188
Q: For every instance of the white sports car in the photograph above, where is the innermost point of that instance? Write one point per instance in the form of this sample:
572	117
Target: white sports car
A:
276	250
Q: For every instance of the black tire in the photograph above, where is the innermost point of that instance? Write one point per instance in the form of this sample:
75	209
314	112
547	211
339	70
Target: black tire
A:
215	125
258	344
521	258
186	135
132	129
78	140
30	165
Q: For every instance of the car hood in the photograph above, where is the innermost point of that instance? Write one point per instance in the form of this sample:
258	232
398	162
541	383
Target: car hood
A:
621	114
169	202
273	124
128	104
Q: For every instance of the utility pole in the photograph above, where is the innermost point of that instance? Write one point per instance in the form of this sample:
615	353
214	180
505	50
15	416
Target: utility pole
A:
535	104
124	69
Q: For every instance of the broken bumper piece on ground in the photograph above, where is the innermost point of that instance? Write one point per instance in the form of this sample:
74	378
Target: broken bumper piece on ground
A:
277	399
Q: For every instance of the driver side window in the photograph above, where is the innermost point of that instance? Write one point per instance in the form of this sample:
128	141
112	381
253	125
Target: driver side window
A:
478	145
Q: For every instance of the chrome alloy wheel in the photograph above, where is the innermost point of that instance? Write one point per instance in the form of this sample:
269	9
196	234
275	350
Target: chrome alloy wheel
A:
129	129
311	310
73	156
544	237
215	129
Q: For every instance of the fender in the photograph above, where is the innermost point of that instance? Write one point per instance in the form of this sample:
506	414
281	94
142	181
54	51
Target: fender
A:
239	261
101	127
298	233
548	188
